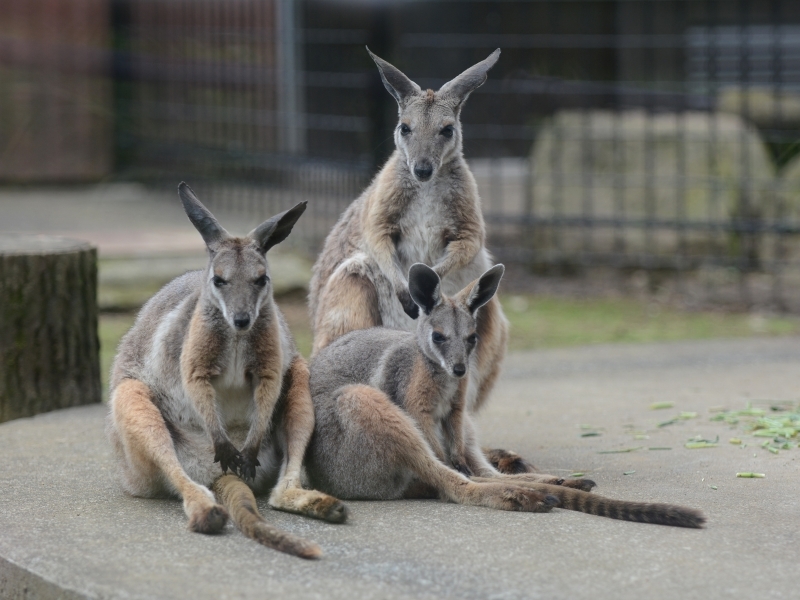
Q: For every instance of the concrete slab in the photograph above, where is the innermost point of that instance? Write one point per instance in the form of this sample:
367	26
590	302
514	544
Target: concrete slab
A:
66	529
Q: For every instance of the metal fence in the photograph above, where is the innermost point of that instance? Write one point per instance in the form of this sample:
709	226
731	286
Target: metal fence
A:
632	135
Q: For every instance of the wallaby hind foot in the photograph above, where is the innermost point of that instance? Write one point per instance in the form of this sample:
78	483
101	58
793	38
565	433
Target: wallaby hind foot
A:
586	485
241	503
508	461
310	503
503	496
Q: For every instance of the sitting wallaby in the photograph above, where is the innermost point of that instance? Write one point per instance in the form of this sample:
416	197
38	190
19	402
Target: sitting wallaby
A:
208	380
423	206
391	419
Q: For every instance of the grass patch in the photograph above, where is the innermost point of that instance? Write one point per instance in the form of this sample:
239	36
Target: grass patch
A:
112	327
547	322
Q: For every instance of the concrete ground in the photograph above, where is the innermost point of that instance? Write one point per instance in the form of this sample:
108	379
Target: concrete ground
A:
68	531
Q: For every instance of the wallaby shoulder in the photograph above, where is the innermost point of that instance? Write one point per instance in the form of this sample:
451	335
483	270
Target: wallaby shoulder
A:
164	318
358	357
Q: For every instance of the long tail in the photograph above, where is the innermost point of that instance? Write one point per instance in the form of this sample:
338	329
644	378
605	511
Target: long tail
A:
238	499
640	512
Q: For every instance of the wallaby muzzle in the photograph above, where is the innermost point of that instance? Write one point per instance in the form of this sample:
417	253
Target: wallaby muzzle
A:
423	170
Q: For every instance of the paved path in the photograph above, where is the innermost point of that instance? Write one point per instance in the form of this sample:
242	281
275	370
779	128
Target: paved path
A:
67	530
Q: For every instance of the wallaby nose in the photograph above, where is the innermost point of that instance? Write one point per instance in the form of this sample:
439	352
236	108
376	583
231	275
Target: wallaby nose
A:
459	370
241	321
423	170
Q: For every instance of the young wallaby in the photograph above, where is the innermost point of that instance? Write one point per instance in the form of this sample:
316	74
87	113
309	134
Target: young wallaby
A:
208	380
423	206
391	419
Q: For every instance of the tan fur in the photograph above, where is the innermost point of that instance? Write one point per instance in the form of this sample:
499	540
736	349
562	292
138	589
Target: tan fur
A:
207	381
240	501
147	447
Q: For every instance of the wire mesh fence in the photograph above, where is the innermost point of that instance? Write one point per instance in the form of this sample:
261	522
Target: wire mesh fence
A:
633	135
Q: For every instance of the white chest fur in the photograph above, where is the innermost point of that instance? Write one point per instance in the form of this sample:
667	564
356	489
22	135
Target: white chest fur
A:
423	226
234	387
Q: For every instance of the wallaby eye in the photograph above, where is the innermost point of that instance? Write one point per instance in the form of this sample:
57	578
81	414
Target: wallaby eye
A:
447	131
473	339
261	281
218	281
404	129
438	338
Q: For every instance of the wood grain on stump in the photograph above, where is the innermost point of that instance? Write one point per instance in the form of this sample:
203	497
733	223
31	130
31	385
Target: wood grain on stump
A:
49	349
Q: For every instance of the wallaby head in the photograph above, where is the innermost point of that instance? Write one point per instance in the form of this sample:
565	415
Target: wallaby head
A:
429	130
446	332
237	277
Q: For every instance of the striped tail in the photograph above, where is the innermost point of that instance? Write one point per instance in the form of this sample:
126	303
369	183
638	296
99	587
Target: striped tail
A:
238	499
640	512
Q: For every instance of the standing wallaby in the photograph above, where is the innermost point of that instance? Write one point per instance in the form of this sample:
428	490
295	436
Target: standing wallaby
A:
208	380
423	206
391	419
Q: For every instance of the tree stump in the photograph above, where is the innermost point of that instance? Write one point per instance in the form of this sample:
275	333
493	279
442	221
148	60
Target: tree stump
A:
49	349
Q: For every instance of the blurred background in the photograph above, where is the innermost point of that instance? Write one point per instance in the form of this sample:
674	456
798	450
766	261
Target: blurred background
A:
638	160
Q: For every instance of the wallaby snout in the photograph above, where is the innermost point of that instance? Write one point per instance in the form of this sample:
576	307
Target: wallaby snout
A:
459	369
423	169
241	321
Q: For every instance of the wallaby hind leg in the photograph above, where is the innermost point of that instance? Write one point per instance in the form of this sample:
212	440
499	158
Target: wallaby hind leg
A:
349	302
297	425
238	498
396	447
149	457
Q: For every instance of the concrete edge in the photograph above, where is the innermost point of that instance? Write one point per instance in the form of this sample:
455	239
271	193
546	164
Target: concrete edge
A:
18	583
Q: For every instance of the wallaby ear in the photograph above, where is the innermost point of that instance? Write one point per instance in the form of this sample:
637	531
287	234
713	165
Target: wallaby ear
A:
424	286
213	233
484	288
462	86
395	81
276	229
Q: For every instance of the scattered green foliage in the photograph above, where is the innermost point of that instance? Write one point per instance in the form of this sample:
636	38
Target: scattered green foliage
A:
621	451
781	425
661	405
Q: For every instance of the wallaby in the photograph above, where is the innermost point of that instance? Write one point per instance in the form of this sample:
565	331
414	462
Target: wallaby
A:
423	206
208	380
391	419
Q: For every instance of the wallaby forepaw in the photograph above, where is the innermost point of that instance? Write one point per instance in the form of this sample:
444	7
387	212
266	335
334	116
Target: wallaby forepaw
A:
409	306
228	457
463	469
248	468
209	520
